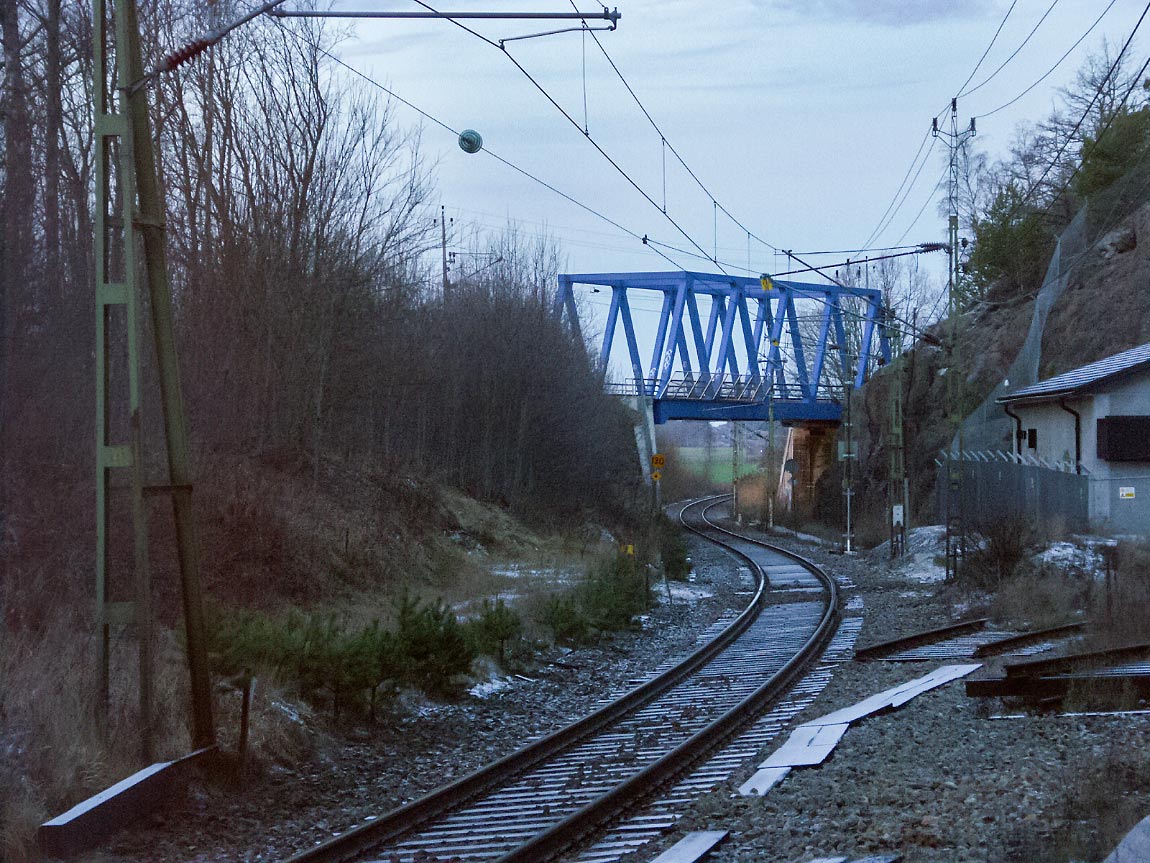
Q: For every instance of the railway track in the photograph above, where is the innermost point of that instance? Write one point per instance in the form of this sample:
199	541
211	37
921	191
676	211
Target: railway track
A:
562	789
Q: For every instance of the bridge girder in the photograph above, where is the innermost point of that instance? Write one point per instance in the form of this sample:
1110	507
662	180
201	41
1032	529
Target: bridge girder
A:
694	370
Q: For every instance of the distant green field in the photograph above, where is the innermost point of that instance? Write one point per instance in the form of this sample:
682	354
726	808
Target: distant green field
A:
694	459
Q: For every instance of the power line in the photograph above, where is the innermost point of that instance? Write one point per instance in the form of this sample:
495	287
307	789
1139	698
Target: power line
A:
506	162
668	145
1050	71
563	111
993	39
922	209
906	194
1013	54
878	228
1086	113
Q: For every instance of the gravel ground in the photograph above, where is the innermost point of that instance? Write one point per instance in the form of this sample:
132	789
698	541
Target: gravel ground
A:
937	780
364	771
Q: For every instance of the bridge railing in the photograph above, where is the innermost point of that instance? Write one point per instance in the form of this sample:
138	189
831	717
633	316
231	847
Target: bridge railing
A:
740	388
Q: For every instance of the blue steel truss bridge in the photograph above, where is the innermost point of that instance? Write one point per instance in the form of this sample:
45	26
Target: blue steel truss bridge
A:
732	347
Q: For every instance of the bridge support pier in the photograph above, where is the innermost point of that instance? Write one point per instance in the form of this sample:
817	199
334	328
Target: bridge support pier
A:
814	455
644	425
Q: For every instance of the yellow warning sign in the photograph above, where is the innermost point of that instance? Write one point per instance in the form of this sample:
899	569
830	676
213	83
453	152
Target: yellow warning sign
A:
658	460
656	475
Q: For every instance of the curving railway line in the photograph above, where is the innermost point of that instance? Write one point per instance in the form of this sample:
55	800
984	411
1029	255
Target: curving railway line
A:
563	789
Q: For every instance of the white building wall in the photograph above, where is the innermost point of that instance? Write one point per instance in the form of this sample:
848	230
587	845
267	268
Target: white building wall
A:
1055	428
1117	514
1109	511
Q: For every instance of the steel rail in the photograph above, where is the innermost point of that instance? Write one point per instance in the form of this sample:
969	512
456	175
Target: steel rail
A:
362	839
554	841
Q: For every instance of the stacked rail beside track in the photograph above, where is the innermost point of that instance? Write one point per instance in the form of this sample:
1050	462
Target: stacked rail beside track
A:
541	800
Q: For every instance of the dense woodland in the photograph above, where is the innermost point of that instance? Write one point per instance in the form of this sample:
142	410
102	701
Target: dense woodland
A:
311	326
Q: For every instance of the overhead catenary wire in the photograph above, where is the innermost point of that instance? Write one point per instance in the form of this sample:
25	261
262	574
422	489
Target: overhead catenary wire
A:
1013	54
1051	70
859	250
566	114
1086	113
506	162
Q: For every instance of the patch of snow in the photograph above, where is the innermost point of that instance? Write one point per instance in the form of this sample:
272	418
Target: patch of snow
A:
921	568
802	537
931	537
490	687
683	592
514	571
287	710
1083	556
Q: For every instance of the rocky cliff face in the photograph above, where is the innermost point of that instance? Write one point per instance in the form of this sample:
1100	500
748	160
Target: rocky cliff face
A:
1094	302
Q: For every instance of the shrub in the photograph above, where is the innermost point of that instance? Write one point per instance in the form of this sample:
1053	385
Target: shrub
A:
1121	612
1042	599
1119	149
430	644
324	659
496	625
1012	244
613	594
562	615
994	550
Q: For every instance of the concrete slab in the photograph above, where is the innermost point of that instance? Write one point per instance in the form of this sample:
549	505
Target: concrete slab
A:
692	847
87	823
895	697
763	781
1135	848
807	746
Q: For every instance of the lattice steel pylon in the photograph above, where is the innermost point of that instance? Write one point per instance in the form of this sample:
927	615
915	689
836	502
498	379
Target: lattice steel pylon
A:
129	233
955	528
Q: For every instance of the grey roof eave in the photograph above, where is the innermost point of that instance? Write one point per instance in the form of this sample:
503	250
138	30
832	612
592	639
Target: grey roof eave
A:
1083	389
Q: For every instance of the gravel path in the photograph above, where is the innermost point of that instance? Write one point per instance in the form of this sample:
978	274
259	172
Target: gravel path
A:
365	771
937	780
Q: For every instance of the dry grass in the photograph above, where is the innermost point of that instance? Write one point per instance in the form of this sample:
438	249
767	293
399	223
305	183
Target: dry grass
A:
1040	599
1121	609
54	752
1106	792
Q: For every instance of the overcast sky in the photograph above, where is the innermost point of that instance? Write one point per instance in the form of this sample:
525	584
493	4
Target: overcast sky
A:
801	117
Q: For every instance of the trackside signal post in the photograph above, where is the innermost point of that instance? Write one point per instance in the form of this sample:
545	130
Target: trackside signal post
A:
129	233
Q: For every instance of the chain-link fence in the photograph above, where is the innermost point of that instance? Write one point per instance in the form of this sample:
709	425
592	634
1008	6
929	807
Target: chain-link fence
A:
996	486
988	426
